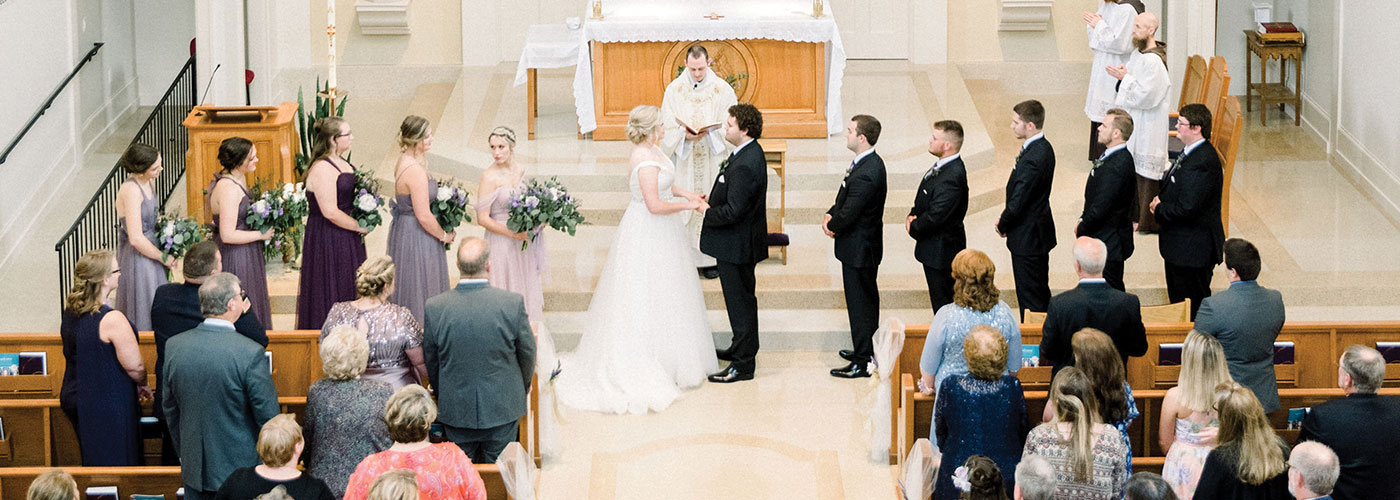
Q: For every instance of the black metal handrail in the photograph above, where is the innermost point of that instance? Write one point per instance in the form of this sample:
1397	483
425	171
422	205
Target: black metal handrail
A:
49	102
96	226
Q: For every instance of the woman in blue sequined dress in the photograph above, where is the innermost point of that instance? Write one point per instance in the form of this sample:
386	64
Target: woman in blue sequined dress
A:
981	412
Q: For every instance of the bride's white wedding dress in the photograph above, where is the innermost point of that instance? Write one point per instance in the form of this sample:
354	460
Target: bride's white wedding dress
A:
646	335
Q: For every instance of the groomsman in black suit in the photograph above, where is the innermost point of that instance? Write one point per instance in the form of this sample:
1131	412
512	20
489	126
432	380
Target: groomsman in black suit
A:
735	227
1188	208
1110	196
856	222
936	221
1026	223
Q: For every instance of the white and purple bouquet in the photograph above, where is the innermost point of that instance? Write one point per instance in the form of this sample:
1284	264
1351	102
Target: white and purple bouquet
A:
540	204
175	235
450	206
366	205
282	211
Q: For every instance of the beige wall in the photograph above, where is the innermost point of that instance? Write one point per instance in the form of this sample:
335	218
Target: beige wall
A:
973	35
436	36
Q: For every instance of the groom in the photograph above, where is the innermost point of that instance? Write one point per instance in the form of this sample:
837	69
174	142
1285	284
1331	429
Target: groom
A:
734	232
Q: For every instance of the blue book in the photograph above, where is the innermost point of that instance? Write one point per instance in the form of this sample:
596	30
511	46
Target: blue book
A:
9	363
1295	417
1030	355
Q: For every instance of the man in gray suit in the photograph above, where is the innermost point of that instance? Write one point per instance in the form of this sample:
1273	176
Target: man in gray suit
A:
480	354
1246	318
218	391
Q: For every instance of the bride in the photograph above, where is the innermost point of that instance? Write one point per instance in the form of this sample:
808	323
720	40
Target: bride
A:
646	334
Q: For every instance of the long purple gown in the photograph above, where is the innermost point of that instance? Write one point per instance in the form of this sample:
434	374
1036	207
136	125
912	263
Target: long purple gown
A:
245	260
519	271
420	261
330	255
136	287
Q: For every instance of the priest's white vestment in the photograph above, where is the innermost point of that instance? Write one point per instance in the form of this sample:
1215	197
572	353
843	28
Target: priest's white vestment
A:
1144	94
698	104
1112	42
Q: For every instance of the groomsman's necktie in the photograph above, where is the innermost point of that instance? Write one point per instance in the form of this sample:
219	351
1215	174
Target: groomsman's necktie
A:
931	171
850	168
1172	169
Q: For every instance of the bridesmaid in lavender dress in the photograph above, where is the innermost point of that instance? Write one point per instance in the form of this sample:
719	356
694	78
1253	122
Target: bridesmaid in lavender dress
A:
143	266
416	239
333	246
512	269
395	338
241	248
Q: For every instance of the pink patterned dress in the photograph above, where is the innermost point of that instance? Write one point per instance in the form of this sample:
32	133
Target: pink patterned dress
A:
1188	453
443	473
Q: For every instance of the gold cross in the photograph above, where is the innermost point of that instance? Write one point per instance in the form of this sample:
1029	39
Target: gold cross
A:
714	16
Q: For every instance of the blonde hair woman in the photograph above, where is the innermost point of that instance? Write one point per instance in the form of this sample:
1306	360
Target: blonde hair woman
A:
104	375
1189	424
443	471
334	245
53	484
344	411
1250	461
647	336
976	301
280	445
513	269
401	484
396	339
415	238
1089	456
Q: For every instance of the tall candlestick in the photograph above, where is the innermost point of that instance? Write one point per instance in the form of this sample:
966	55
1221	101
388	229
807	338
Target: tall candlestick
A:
330	31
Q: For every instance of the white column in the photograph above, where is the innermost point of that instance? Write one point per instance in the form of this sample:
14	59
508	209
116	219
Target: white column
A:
1190	31
928	35
219	37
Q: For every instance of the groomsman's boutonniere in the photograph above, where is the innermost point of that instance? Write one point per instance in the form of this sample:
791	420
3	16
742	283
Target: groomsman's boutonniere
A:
723	165
1018	159
1097	163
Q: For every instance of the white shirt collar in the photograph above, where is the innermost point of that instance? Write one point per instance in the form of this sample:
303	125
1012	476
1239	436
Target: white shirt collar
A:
1110	151
1191	147
1092	280
945	160
219	323
1038	135
861	156
747	140
472	281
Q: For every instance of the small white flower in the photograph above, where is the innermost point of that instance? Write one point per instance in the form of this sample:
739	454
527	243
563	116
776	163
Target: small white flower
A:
301	187
367	203
554	193
288	187
260	206
444	194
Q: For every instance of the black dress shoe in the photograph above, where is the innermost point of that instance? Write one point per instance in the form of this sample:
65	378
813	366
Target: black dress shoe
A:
853	370
724	355
730	374
847	355
709	273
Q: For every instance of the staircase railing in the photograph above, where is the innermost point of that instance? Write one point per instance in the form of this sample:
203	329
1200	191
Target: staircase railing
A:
49	102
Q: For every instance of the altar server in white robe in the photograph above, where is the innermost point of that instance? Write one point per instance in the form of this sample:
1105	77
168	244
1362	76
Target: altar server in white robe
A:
1143	90
697	99
1110	33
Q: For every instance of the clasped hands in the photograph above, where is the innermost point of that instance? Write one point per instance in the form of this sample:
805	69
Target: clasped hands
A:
1117	72
701	201
1092	19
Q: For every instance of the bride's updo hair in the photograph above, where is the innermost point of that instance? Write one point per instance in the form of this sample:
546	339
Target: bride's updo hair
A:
642	122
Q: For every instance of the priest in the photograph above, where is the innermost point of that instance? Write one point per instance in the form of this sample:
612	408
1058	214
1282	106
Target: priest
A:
1143	90
1110	32
694	111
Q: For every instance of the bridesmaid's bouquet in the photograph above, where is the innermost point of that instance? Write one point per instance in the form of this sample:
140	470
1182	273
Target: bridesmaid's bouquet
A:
543	203
282	211
450	207
175	235
367	205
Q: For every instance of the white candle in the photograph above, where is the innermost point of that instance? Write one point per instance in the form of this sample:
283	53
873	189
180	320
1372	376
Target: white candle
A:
330	30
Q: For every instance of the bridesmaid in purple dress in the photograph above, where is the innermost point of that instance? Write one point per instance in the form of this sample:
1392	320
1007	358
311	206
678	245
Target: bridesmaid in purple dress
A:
395	338
512	269
137	254
333	246
415	238
241	248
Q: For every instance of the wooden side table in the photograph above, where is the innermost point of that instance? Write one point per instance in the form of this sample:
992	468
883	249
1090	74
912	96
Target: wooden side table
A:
1273	93
775	153
546	46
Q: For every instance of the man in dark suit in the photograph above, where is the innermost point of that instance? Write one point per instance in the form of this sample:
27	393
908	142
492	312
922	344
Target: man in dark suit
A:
1026	222
175	309
1312	471
218	391
734	230
1110	196
856	222
1188	210
1092	304
1363	428
480	354
936	221
1246	319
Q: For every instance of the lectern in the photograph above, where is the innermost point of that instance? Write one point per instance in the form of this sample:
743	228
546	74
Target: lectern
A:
272	130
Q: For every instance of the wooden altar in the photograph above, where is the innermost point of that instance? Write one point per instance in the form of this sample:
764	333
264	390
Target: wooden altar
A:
272	130
784	80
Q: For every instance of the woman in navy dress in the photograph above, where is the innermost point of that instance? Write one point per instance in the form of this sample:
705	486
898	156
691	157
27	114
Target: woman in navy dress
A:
334	245
960	422
137	252
104	374
241	249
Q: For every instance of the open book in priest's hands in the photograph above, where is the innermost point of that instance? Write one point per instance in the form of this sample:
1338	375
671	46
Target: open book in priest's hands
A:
702	130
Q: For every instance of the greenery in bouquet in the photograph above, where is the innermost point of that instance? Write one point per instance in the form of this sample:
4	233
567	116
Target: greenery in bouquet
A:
541	204
450	206
175	235
282	211
366	205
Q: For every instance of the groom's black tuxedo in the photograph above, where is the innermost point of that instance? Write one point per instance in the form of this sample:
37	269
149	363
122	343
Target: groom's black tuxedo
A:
734	232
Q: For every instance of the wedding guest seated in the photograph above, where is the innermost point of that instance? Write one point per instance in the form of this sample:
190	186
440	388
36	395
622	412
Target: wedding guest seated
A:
1089	457
1312	471
53	484
401	484
1363	428
960	422
976	301
1147	486
1091	304
279	447
344	411
105	374
1035	479
1095	354
175	309
1188	425
395	338
981	480
443	471
1248	463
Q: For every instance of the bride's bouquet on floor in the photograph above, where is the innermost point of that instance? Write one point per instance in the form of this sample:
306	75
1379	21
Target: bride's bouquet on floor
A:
175	235
282	211
541	204
367	205
450	207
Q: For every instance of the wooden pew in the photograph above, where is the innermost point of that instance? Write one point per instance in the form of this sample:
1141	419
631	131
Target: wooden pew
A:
14	481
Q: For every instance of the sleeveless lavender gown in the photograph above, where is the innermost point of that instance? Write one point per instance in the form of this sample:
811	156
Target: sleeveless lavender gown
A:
330	255
512	269
246	260
140	275
420	261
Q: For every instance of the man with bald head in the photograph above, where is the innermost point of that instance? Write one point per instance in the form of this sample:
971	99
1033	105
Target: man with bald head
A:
1363	428
480	354
1144	91
1092	304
